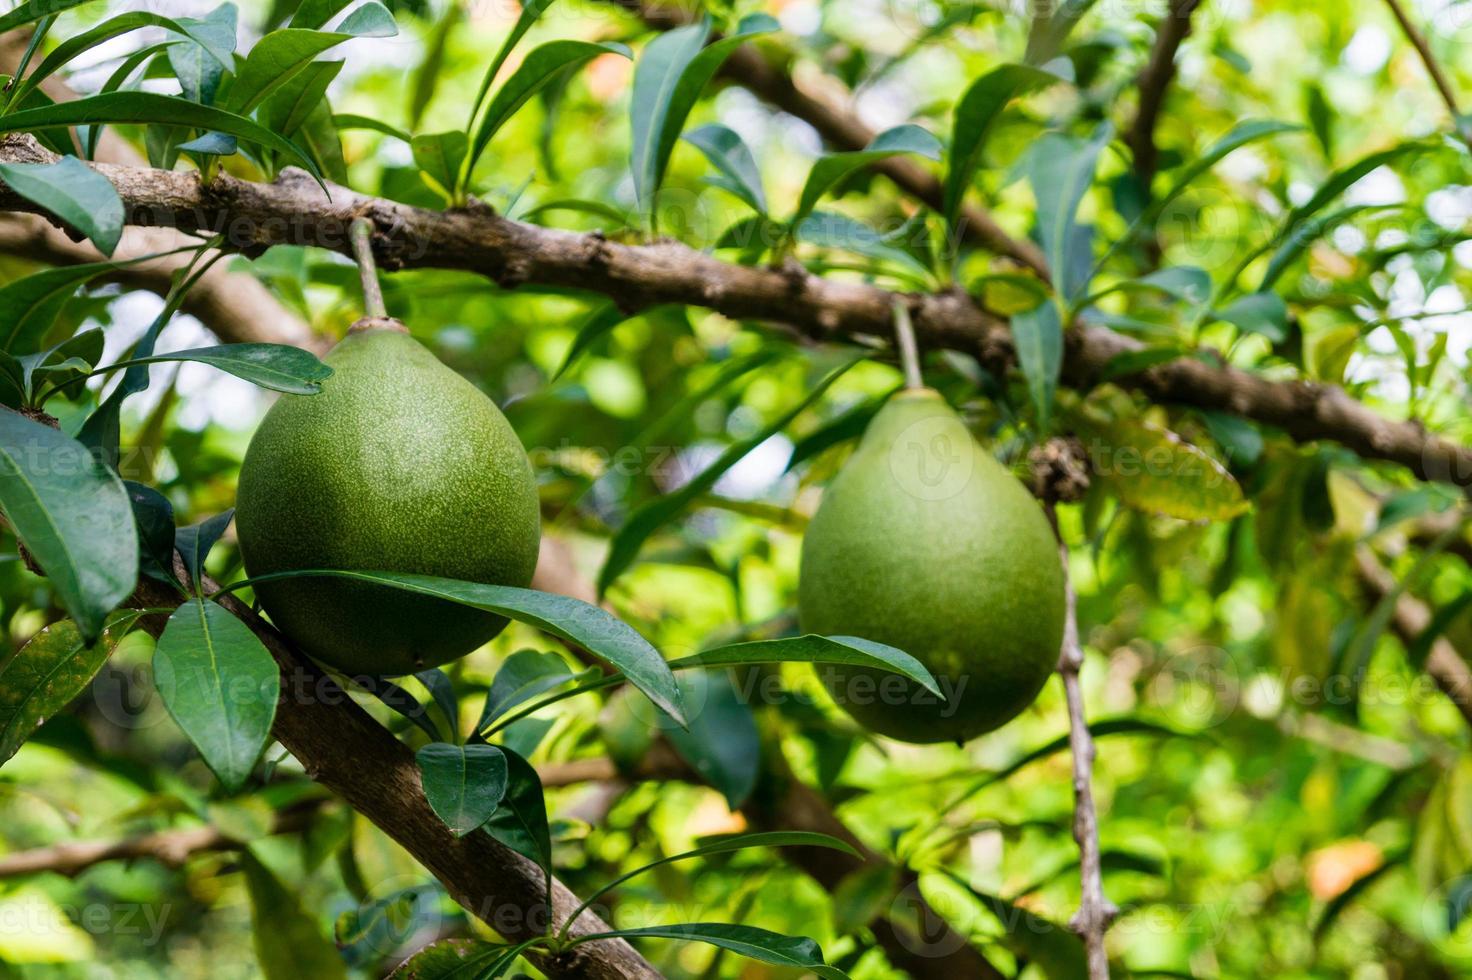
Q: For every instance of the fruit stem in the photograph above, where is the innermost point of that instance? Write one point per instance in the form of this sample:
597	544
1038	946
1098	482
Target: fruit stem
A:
904	332
360	232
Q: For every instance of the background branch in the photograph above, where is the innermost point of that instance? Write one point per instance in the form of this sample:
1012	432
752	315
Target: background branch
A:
1433	67
1174	28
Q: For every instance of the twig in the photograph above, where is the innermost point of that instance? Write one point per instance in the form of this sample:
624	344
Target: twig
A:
904	335
1174	28
1433	67
171	847
1095	911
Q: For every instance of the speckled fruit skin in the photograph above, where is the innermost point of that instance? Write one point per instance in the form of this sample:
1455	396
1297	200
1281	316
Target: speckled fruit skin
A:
399	464
925	542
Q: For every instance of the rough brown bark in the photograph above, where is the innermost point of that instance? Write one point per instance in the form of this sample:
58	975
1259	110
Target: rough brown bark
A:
295	210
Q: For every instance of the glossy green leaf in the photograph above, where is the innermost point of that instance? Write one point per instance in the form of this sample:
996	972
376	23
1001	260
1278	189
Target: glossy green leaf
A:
442	691
830	170
48	673
531	11
463	783
524	675
660	511
1061	174
114	108
66	363
1263	313
976	112
281	54
73	516
34	10
730	155
347	120
1156	471
520	822
672	72
722	743
1037	336
288	943
287	109
195	542
29	306
154	516
748	941
439	157
542	65
850	651
578	622
275	367
829	229
73	192
1240	135
1187	283
598	324
69	50
220	684
402	702
452	959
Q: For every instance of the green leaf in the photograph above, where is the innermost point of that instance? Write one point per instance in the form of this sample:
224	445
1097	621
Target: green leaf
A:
454	959
287	109
1263	313
829	229
34	10
112	108
578	622
979	108
1156	471
1050	27
749	941
531	11
401	701
154	516
73	192
1187	283
671	74
66	363
596	208
1037	336
844	428
1058	953
851	651
463	783
730	155
347	120
73	516
1240	135
722	743
275	367
603	319
67	51
863	896
220	684
48	673
542	65
439	157
520	822
195	542
660	511
524	675
287	941
1061	174
282	53
834	167
29	306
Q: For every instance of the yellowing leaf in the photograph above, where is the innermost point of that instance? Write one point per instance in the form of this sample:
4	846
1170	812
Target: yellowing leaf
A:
34	929
1156	471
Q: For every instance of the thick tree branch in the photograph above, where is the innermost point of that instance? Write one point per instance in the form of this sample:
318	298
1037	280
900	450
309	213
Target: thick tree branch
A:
1443	664
294	210
843	130
344	749
171	847
1153	83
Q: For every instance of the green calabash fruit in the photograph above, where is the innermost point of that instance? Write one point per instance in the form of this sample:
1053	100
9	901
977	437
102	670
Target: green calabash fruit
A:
925	542
399	465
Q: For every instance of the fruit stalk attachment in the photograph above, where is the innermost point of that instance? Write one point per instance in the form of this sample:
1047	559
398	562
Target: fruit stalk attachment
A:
375	313
904	333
